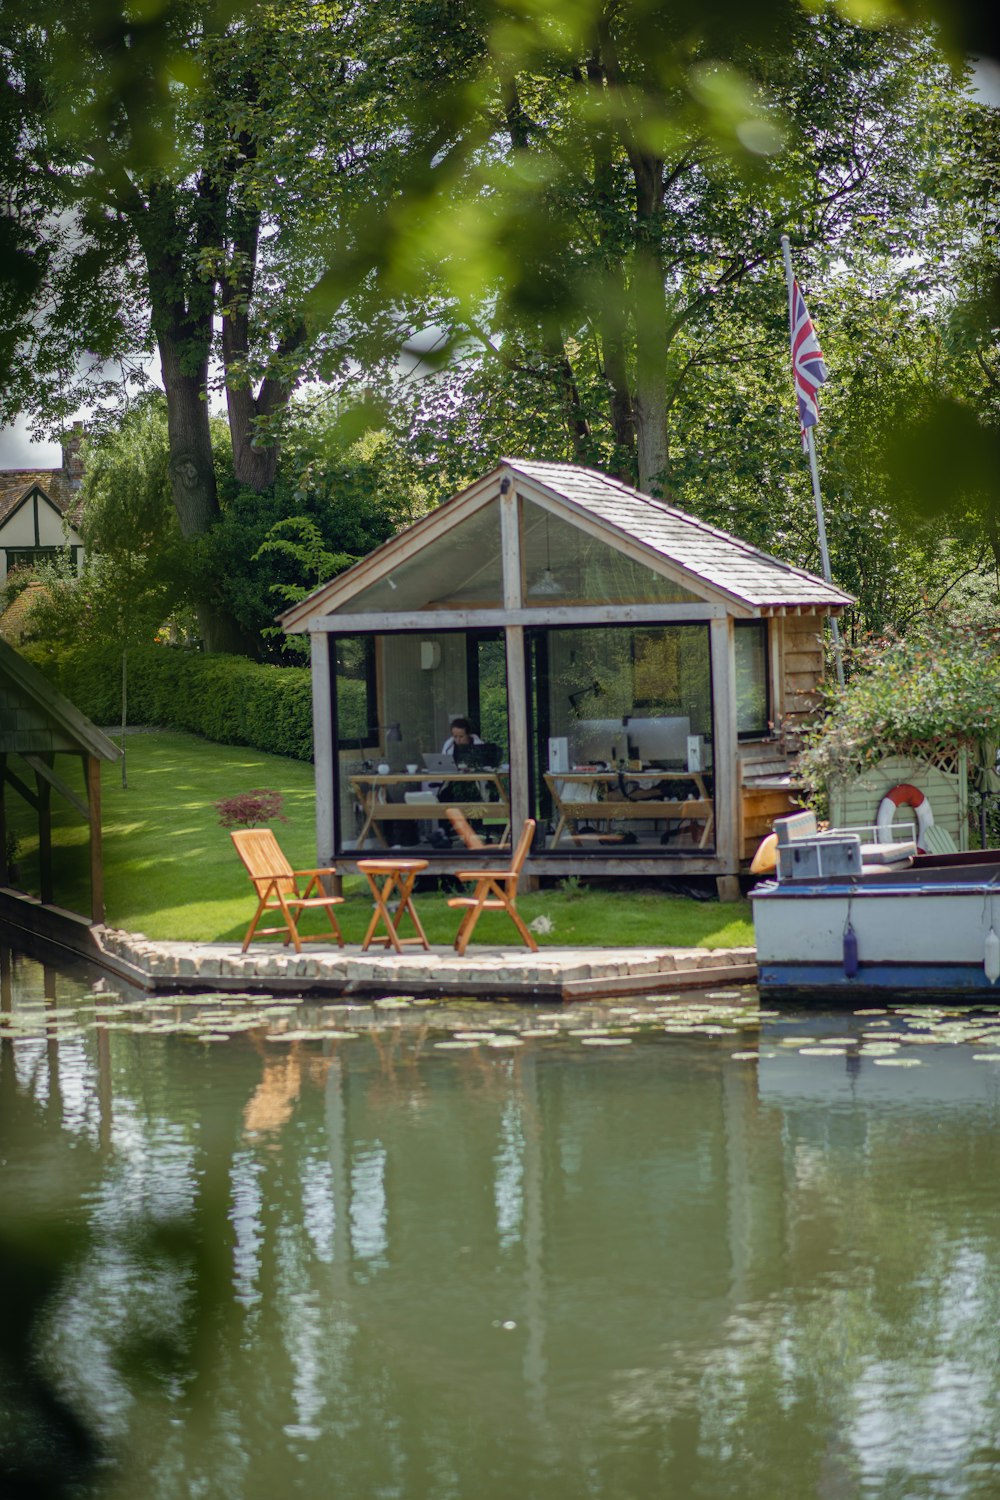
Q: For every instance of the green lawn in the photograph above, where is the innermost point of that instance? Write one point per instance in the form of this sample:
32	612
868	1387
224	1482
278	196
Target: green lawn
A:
171	871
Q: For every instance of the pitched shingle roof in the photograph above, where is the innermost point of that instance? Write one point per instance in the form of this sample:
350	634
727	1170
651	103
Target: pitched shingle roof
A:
16	483
23	684
732	568
722	560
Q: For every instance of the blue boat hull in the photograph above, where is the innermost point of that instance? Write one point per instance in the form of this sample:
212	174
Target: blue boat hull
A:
813	981
925	930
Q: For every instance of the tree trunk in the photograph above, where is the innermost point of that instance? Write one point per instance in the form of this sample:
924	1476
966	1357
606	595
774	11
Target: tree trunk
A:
192	470
650	404
255	452
611	314
192	477
576	420
254	466
649	393
650	399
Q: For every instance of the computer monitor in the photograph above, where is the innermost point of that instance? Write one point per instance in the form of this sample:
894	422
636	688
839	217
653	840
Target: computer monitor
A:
660	742
485	757
594	740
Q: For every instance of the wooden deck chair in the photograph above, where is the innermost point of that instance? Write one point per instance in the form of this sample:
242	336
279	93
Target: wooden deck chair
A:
470	838
277	887
494	890
937	840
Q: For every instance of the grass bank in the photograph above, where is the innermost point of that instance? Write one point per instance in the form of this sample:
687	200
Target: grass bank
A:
171	871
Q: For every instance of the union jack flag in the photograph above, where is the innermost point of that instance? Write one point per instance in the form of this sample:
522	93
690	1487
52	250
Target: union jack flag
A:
808	368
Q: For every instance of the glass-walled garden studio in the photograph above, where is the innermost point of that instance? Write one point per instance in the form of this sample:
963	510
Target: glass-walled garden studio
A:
402	757
623	742
619	725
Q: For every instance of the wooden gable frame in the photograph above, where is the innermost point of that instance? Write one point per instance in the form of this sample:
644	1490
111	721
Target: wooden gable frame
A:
36	724
327	608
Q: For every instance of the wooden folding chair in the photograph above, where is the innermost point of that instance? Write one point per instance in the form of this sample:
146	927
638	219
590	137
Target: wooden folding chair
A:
494	890
277	887
470	838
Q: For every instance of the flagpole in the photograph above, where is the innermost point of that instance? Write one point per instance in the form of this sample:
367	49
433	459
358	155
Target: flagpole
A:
814	471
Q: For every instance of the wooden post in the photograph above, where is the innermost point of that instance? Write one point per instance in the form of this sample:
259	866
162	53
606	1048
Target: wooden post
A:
517	681
43	791
92	771
776	667
725	760
4	866
325	757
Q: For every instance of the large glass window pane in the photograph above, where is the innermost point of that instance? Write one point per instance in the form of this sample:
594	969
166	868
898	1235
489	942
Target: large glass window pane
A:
752	702
462	569
565	565
623	742
354	671
395	781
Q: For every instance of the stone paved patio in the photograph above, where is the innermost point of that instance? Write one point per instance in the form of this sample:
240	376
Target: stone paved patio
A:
552	973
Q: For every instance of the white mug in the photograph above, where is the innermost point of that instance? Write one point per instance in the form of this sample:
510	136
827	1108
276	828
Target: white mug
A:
412	768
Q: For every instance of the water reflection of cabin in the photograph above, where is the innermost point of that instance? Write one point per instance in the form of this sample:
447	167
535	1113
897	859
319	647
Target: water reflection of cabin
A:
623	662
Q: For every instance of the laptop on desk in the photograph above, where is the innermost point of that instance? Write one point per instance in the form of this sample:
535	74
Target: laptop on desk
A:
440	764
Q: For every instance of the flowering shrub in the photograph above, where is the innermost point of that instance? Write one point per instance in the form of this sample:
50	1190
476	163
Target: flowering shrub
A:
937	688
250	809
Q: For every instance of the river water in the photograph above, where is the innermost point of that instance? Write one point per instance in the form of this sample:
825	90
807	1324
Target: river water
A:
605	1252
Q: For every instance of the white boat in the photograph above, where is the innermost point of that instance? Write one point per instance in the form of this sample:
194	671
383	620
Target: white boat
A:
848	915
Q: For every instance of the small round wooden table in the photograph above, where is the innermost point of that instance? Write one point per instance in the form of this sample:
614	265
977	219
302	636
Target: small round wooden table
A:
388	877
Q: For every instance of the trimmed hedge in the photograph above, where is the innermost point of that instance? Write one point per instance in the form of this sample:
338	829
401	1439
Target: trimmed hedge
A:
225	698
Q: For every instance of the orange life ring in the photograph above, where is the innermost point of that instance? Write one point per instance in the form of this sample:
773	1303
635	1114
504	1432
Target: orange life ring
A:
904	795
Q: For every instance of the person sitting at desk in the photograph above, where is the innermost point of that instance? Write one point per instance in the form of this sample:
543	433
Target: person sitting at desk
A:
460	734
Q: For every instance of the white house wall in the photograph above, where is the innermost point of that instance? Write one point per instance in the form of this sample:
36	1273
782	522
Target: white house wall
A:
36	523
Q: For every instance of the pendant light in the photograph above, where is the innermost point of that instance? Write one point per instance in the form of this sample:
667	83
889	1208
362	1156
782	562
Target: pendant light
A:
548	585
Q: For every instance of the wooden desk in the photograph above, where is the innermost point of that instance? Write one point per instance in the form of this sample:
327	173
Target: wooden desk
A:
370	794
605	803
386	878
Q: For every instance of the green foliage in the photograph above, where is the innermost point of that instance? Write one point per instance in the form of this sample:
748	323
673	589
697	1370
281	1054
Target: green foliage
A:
329	505
227	699
126	485
137	571
117	600
938	686
582	201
